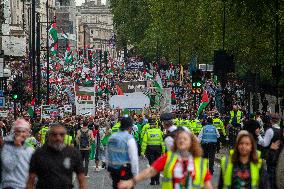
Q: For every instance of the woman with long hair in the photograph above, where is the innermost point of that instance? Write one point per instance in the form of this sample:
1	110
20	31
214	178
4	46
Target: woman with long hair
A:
183	167
243	168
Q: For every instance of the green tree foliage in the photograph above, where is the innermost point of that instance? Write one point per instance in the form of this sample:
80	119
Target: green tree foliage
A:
196	28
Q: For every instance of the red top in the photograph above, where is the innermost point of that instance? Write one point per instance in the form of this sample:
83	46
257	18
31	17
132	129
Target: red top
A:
95	132
159	165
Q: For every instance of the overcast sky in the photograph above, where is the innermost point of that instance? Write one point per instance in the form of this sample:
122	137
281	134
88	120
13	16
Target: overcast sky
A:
79	2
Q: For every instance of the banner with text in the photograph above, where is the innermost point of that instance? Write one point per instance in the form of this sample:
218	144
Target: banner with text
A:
132	86
84	100
49	111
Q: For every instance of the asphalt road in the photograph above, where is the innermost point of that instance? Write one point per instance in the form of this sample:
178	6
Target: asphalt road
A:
101	179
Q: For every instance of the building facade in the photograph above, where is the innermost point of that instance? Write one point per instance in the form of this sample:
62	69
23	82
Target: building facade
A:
66	22
99	19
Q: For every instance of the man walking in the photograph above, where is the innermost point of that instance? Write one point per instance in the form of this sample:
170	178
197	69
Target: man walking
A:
85	139
122	153
54	163
208	137
15	157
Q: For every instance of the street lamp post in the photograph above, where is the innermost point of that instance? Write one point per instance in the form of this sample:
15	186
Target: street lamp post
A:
38	34
47	55
84	27
33	53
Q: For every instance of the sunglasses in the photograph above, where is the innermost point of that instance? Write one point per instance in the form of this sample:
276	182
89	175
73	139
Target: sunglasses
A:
58	134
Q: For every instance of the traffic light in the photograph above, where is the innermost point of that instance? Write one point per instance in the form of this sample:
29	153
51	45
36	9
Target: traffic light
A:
197	82
16	88
15	95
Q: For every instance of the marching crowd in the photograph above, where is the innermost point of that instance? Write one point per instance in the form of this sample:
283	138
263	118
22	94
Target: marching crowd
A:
182	147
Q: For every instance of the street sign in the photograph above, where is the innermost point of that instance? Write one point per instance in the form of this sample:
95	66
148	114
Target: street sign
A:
2	102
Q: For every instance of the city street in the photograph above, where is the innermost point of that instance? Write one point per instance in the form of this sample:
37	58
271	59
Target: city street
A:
101	179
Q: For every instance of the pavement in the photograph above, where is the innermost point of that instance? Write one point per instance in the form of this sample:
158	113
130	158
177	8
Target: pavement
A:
101	179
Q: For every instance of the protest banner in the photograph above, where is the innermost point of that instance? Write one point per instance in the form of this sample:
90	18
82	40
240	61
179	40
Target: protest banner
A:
84	100
49	111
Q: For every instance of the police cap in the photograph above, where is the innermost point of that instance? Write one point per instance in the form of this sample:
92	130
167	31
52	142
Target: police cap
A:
166	116
126	122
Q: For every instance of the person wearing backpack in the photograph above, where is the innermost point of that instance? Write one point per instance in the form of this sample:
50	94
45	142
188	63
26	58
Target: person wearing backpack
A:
84	140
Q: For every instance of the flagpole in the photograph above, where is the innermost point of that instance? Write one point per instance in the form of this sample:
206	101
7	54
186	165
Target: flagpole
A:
38	57
47	55
33	47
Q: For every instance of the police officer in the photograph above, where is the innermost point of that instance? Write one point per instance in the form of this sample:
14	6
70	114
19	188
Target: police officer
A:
170	129
116	127
218	123
236	116
235	121
208	137
42	133
122	153
153	146
196	126
185	122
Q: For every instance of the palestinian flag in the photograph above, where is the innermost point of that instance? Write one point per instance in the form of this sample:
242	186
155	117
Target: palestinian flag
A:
68	55
204	103
31	108
53	39
158	83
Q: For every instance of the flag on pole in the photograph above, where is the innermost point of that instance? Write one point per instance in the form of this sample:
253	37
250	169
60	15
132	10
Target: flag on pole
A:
204	103
68	54
31	108
158	83
53	39
181	74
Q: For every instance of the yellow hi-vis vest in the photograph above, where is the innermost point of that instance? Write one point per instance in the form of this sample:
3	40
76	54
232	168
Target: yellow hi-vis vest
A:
115	128
153	136
238	115
67	139
42	133
200	165
227	170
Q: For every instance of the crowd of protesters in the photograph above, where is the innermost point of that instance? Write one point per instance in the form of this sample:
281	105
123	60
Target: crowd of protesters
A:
46	152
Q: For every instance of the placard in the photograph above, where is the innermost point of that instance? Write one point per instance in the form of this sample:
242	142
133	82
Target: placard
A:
84	100
49	111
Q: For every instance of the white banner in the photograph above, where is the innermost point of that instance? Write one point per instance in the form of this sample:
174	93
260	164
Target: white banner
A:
48	111
68	109
4	113
85	100
136	100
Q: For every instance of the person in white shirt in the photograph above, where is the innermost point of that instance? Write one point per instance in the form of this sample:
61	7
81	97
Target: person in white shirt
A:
122	153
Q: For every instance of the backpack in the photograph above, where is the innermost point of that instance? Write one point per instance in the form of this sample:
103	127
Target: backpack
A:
84	139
